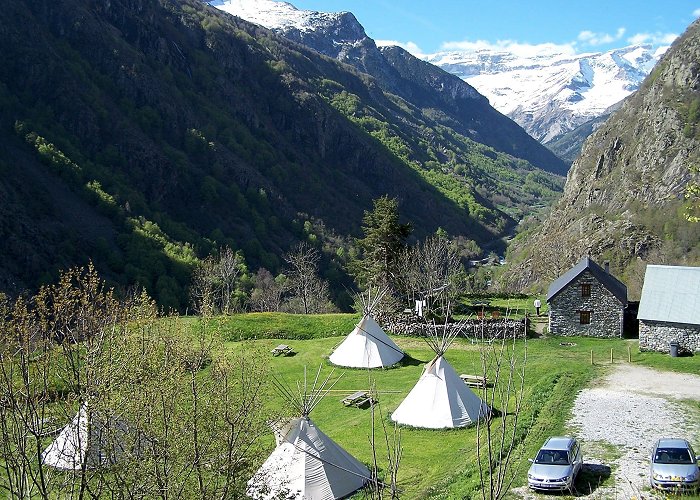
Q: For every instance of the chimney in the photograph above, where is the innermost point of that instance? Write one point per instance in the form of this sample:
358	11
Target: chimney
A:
607	267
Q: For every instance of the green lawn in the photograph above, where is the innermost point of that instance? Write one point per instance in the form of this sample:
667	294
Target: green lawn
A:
512	307
438	464
435	463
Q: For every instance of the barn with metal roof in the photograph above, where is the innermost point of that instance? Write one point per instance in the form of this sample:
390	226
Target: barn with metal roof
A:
669	310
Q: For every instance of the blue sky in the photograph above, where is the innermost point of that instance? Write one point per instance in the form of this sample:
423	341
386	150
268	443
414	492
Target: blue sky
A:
426	26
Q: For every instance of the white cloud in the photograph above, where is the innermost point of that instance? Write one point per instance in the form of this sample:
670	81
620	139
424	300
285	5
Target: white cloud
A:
593	39
412	47
520	49
696	13
653	38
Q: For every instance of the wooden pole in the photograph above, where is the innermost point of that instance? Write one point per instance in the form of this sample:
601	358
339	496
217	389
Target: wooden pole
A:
629	354
611	356
591	356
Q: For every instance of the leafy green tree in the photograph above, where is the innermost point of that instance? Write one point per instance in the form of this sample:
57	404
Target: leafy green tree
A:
382	245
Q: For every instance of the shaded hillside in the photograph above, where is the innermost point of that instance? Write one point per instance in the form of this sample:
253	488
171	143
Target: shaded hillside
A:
144	134
454	103
624	194
439	95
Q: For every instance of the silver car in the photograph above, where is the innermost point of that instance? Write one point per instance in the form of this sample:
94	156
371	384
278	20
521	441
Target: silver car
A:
674	465
556	465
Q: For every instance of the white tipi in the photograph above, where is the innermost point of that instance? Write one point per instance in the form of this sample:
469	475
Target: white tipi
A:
367	346
307	464
89	439
440	399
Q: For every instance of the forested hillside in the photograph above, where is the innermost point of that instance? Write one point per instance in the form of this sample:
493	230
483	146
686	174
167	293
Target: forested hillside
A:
146	134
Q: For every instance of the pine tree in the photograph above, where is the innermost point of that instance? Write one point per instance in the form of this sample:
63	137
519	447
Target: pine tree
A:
382	245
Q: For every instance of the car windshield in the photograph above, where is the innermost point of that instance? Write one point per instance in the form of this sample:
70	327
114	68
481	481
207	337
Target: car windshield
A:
672	456
552	457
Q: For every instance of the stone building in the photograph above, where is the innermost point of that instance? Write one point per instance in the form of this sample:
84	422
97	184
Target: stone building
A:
669	310
587	300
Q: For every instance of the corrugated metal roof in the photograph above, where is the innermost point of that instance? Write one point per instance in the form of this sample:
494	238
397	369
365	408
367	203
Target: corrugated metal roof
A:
616	287
671	293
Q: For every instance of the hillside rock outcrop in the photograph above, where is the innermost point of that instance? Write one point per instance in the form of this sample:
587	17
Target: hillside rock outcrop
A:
623	195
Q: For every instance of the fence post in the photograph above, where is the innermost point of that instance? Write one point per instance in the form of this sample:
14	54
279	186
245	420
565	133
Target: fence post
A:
611	356
629	354
591	356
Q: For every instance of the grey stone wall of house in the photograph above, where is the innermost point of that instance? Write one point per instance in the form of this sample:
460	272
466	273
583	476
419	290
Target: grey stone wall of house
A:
487	329
606	310
657	335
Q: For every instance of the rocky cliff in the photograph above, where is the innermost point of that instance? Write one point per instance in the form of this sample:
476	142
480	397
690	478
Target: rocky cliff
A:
623	196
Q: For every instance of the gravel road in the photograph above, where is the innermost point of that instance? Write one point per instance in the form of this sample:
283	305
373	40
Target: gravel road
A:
622	414
618	418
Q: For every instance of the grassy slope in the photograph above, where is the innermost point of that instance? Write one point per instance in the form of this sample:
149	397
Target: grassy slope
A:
437	464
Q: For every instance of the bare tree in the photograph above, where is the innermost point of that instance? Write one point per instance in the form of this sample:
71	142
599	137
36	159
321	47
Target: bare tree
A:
303	281
386	487
503	363
267	291
215	281
168	427
431	271
230	267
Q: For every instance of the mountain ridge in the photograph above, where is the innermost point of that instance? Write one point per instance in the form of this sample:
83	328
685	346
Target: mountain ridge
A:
579	87
172	129
623	198
342	37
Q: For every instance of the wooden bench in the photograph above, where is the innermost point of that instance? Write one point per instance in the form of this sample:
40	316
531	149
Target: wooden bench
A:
282	349
358	399
474	380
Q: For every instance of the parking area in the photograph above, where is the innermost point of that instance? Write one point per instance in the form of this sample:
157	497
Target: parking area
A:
618	419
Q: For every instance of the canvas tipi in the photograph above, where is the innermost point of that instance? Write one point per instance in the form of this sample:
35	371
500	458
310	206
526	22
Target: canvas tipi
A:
367	346
90	440
440	399
306	463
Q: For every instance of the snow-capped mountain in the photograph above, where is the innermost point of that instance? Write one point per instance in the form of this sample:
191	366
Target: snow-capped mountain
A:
278	16
549	94
443	97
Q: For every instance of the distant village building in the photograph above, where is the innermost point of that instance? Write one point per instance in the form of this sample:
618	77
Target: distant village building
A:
587	300
669	310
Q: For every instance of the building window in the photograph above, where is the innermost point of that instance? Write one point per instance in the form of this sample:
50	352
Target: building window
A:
585	317
585	290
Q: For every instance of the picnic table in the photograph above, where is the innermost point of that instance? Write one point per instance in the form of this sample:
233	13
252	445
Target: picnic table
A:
358	399
474	380
282	349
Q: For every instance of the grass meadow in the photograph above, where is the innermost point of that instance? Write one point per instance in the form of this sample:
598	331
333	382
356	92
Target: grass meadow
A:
434	463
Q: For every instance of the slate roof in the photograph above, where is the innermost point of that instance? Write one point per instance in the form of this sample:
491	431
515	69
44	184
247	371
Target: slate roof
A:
615	286
672	294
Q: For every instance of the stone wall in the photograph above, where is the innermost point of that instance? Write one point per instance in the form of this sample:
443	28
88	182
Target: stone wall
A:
656	336
487	329
606	310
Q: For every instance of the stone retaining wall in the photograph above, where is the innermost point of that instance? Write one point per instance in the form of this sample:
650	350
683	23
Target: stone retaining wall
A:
656	336
475	329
